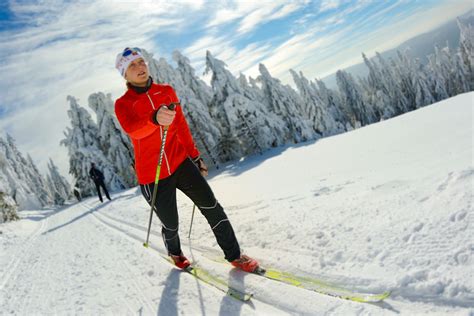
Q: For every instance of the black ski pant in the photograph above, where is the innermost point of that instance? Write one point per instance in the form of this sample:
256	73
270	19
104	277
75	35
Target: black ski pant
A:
189	180
98	184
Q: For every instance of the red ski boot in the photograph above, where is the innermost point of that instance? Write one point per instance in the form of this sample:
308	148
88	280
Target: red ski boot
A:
180	261
245	263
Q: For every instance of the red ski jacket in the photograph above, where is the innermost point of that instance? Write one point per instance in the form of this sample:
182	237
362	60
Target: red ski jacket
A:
136	112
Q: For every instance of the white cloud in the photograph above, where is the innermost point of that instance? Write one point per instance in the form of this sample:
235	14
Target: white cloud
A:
327	5
70	51
266	14
253	13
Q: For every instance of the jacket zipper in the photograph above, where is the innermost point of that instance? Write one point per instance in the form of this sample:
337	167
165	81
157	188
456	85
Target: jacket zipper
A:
149	98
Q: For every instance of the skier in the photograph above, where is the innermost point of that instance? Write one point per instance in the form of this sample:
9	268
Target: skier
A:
98	179
143	113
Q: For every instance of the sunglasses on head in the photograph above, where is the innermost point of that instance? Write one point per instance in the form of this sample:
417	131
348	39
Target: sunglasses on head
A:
127	51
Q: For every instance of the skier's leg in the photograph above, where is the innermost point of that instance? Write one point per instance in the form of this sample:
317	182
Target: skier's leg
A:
105	190
192	183
97	186
167	211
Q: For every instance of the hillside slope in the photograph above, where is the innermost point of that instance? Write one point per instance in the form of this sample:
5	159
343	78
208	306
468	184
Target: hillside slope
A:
387	206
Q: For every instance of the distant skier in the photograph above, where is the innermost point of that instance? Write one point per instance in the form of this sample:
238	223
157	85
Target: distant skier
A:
98	179
143	113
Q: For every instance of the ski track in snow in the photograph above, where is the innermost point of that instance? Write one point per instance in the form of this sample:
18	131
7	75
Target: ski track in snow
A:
387	206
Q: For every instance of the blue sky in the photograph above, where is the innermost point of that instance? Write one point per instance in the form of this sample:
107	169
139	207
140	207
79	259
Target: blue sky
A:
51	49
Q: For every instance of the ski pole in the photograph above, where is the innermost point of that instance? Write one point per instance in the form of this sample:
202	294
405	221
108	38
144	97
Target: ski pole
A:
192	217
157	177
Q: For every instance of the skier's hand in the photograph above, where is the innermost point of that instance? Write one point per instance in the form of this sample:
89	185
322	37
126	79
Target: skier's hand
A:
165	116
199	162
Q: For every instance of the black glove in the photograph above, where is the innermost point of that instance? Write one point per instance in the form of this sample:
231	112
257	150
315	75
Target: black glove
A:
199	162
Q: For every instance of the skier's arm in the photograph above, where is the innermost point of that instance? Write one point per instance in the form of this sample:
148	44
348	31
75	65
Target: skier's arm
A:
182	129
136	125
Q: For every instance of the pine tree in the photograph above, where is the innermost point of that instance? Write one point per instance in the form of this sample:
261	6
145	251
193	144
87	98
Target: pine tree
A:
229	105
315	107
287	105
195	97
199	88
39	182
16	177
466	49
333	101
8	208
113	141
358	112
60	188
83	146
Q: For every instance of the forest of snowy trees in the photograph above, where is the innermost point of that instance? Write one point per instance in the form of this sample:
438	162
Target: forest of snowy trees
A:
22	186
235	117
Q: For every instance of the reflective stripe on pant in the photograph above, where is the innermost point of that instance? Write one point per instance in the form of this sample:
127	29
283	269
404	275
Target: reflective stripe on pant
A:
189	180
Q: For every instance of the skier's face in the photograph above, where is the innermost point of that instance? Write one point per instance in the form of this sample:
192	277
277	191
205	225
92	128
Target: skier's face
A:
137	72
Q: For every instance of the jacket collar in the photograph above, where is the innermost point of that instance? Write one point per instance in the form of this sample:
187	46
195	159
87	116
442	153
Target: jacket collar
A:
140	90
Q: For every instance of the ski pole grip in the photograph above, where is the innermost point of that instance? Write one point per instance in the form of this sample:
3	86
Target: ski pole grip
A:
172	106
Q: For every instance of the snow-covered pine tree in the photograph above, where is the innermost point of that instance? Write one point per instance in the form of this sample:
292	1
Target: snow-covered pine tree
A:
195	97
436	81
461	75
199	88
378	91
8	208
352	100
446	65
413	82
15	177
315	107
424	96
113	141
466	46
251	90
81	140
228	104
312	106
333	102
60	188
391	83
288	106
39	182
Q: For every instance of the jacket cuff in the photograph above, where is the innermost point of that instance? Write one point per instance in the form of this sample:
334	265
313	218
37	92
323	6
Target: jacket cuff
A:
153	117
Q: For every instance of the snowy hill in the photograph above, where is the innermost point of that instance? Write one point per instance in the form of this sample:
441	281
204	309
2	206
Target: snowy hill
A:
387	206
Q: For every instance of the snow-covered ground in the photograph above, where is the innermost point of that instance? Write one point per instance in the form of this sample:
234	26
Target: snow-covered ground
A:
388	206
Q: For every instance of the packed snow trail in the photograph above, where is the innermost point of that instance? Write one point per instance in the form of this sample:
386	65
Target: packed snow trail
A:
72	263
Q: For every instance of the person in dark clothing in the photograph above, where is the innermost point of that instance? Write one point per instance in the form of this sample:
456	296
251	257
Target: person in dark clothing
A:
98	179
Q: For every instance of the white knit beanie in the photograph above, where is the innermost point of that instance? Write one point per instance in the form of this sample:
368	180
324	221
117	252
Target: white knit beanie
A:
126	57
